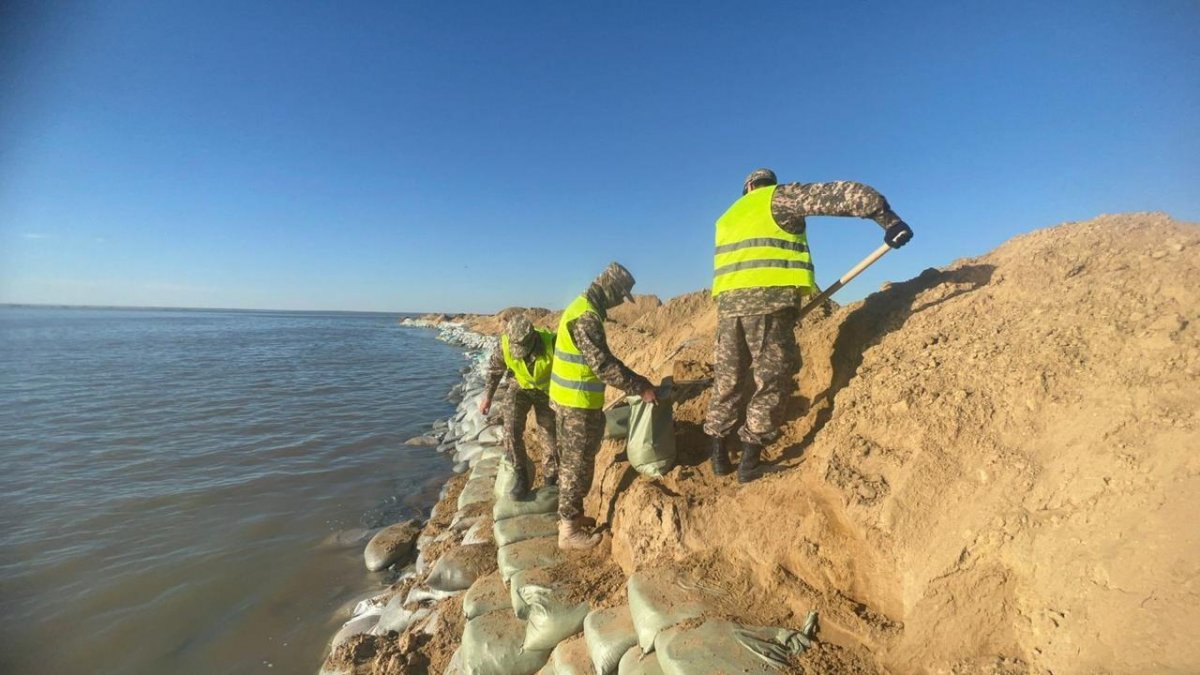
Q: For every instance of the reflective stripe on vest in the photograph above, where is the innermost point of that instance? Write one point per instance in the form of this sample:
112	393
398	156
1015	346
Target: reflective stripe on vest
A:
752	251
540	377
572	382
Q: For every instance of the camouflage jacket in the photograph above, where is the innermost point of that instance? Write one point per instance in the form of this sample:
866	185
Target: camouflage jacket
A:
790	204
588	333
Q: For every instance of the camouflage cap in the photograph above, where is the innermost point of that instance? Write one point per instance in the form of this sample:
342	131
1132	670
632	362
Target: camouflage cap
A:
617	283
759	178
520	336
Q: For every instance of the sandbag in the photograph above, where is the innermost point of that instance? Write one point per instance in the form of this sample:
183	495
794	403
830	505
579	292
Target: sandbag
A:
418	594
492	645
396	617
487	594
616	421
657	603
480	533
650	443
523	555
492	435
634	662
458	568
727	647
544	500
505	477
552	615
609	634
486	468
467	452
476	490
570	657
520	528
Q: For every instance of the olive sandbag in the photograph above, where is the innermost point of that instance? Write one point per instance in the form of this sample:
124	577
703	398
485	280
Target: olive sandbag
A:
476	490
492	645
520	528
553	616
616	422
657	603
570	657
634	662
719	646
609	634
459	567
486	468
543	500
492	435
506	478
467	452
480	533
650	443
515	582
487	594
523	555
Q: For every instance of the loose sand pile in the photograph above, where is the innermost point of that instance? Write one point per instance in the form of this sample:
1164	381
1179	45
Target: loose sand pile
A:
989	468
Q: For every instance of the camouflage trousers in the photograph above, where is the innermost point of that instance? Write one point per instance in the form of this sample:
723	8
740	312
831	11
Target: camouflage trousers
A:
579	432
516	414
756	358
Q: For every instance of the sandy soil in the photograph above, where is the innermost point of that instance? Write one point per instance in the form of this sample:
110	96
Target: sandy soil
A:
987	468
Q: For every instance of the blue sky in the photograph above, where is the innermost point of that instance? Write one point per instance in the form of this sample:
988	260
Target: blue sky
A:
469	156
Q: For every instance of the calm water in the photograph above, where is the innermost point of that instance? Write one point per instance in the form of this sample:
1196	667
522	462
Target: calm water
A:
168	478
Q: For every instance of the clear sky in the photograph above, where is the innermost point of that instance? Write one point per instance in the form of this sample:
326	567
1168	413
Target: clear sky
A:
418	156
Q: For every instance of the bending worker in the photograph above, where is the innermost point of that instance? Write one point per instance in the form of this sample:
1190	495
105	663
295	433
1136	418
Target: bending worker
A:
525	354
583	364
762	270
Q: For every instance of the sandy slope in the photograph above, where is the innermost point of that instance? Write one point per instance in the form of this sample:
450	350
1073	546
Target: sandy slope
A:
989	468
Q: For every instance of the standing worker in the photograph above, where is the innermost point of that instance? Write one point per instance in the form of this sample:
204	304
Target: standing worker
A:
762	270
583	364
525	354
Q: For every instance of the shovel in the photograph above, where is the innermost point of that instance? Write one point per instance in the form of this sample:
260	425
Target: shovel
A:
846	278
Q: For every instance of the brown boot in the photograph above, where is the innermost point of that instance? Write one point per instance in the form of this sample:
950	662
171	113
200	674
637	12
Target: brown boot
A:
571	535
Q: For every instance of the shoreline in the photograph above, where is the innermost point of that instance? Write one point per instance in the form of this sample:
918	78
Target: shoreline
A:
402	605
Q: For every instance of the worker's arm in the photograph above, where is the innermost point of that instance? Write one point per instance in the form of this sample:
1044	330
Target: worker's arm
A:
588	333
491	379
792	202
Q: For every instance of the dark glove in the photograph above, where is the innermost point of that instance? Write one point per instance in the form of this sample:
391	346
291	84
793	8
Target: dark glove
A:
897	235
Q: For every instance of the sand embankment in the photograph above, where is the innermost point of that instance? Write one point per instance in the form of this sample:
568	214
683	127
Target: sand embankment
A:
988	468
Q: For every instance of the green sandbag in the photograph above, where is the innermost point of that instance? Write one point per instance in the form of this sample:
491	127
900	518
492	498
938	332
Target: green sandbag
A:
523	555
544	500
657	603
650	443
476	490
616	422
609	634
459	567
505	478
486	468
634	662
492	645
570	657
552	616
520	528
487	594
718	646
515	582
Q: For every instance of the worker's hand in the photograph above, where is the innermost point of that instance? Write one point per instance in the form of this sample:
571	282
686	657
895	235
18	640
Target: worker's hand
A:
898	235
649	395
485	405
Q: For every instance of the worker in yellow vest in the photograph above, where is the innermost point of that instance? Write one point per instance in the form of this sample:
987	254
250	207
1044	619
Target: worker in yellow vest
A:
762	269
525	355
583	365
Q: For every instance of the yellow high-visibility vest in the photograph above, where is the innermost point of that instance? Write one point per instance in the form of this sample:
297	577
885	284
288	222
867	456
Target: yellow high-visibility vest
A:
753	251
540	377
572	382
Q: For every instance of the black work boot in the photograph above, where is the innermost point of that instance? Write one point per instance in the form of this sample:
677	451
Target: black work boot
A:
720	457
748	467
520	490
